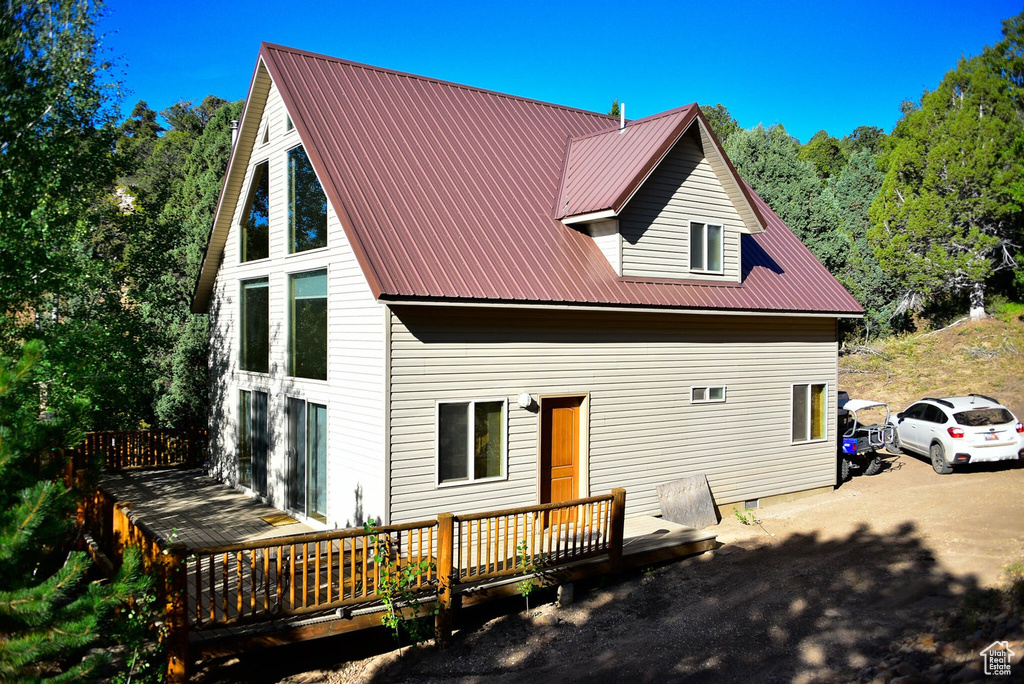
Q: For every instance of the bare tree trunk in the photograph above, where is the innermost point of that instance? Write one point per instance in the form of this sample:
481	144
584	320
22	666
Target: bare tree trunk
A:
977	301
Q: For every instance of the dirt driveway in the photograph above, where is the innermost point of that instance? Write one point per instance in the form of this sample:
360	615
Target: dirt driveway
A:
847	577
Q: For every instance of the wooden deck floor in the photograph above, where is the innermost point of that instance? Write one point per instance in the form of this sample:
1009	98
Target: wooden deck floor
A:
187	506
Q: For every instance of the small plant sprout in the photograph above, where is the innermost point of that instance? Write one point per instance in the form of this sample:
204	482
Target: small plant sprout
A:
527	567
396	586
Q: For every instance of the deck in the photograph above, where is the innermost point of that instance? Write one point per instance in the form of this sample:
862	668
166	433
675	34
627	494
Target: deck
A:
187	506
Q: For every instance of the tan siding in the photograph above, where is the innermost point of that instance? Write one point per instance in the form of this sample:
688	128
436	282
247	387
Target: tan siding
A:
655	223
637	370
354	395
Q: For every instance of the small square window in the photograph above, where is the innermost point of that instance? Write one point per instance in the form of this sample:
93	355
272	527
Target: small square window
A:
471	439
708	394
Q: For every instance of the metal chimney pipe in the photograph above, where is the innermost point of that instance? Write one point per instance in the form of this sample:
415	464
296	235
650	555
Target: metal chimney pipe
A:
234	132
622	117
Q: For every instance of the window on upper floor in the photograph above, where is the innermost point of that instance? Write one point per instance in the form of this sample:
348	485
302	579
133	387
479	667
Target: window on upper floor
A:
307	204
471	440
256	216
809	411
307	339
288	125
705	247
255	328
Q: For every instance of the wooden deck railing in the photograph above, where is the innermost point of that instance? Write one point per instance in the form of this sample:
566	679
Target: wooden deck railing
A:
304	573
113	529
514	541
143	448
220	586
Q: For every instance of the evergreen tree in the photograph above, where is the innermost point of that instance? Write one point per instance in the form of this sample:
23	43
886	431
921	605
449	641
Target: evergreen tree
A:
948	216
826	154
189	216
50	613
871	138
768	159
855	189
722	122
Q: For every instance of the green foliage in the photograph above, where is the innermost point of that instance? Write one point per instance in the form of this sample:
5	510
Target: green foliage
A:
615	111
768	159
826	155
527	566
50	612
870	138
139	627
855	189
55	136
949	210
745	518
396	586
722	123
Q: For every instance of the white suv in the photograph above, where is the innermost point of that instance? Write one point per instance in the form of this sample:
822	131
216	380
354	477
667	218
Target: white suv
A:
958	430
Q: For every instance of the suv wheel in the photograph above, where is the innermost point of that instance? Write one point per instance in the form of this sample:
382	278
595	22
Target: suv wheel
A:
939	463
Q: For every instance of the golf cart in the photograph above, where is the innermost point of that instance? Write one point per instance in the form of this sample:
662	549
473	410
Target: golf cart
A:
859	442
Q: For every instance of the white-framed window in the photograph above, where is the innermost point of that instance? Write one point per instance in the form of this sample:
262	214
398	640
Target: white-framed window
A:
307	325
706	241
809	406
708	394
472	440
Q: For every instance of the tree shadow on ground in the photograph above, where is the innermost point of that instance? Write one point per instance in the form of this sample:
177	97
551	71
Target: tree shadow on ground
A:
804	608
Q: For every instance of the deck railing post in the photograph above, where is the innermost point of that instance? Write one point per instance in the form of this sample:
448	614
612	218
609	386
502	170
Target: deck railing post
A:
617	521
175	577
445	570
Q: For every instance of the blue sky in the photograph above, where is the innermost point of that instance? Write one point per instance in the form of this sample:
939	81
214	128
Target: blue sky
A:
806	65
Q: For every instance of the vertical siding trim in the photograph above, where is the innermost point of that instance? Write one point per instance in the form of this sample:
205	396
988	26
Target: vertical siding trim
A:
387	413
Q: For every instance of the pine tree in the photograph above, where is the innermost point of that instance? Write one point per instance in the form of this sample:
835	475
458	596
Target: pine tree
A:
949	214
51	612
768	159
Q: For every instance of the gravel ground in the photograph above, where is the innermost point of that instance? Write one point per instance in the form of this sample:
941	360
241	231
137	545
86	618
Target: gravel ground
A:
852	585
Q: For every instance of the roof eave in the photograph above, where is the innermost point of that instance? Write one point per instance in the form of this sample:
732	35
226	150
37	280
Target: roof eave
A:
225	201
469	302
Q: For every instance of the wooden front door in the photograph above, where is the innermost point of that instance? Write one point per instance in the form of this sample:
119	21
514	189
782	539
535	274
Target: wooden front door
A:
560	449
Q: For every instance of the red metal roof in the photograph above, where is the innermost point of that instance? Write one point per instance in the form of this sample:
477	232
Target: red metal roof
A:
604	169
449	192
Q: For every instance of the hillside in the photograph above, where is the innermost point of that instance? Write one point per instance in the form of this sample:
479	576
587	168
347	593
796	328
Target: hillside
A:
985	357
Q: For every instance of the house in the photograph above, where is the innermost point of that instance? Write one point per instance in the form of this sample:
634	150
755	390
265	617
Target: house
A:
427	297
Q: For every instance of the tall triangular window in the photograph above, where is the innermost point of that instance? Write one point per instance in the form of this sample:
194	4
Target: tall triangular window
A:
256	217
307	204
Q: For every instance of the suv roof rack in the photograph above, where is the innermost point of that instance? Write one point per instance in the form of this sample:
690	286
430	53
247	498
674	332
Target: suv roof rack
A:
942	401
982	396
